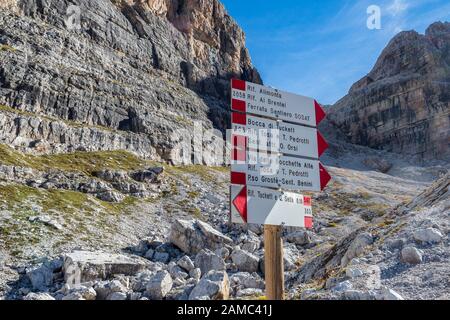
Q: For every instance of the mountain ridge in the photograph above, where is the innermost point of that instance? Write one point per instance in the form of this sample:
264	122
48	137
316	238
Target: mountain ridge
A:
402	105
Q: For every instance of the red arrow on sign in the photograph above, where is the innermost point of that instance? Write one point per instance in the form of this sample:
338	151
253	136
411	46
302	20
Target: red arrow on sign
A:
240	203
322	144
320	113
324	176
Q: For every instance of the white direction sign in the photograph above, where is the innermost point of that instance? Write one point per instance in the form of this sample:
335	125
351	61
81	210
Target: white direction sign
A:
256	99
265	206
279	172
276	136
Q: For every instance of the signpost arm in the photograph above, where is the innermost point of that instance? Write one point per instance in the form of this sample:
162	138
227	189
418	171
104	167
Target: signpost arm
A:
273	260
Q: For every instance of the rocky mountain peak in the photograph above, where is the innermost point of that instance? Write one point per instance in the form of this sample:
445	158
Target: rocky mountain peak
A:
402	105
133	72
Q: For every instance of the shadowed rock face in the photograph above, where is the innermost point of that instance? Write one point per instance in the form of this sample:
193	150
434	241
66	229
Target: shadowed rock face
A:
403	104
134	72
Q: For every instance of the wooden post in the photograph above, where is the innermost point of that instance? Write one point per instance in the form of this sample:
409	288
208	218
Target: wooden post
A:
273	262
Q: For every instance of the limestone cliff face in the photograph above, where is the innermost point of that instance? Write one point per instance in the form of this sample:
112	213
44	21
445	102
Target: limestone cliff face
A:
403	104
121	74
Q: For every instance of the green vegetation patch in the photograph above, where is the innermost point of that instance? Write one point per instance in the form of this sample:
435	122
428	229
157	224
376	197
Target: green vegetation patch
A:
86	162
82	216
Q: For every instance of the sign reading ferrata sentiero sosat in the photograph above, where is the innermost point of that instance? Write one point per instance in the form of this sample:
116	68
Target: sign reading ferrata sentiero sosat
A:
275	154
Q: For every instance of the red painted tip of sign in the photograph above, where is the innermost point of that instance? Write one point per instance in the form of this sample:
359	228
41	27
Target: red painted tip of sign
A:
239	118
238	178
238	105
320	113
238	84
307	201
308	222
324	177
322	144
240	202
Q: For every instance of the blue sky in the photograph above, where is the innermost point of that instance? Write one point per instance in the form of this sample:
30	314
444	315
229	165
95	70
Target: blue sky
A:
320	48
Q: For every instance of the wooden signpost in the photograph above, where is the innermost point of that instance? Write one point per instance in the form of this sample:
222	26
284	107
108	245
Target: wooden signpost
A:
275	153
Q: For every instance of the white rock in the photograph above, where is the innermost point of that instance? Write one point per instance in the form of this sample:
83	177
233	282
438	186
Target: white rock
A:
429	235
81	293
195	273
193	236
411	255
247	280
213	286
159	285
134	296
207	260
40	278
357	247
299	237
358	295
117	296
84	266
250	292
389	294
106	288
73	296
223	252
163	257
343	286
177	272
38	296
186	263
245	261
354	273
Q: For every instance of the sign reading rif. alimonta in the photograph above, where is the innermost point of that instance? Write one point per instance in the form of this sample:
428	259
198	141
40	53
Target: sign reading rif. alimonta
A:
278	171
259	100
257	205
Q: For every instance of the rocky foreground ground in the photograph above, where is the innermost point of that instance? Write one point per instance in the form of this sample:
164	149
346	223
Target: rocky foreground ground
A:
91	206
73	230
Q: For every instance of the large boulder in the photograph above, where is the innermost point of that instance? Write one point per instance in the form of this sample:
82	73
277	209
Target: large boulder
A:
411	255
84	266
213	286
299	237
245	261
428	235
357	247
81	293
194	235
389	294
40	277
43	276
38	296
207	260
159	285
186	263
107	289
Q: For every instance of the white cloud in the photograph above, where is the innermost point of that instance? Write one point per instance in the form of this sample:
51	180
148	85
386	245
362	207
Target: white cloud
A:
397	7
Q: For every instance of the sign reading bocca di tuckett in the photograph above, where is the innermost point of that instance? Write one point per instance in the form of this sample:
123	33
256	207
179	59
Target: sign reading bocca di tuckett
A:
277	136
